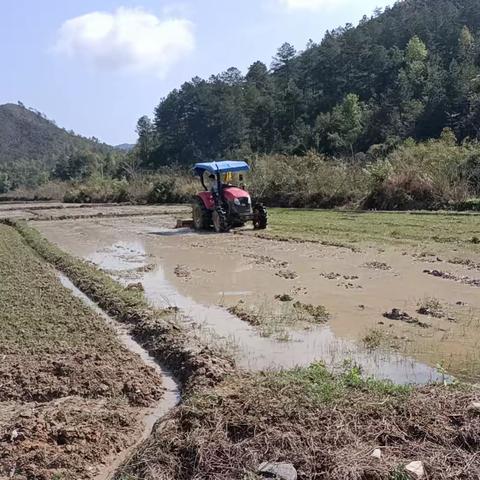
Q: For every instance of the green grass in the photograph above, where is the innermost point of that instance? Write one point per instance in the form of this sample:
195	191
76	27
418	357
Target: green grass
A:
322	387
350	228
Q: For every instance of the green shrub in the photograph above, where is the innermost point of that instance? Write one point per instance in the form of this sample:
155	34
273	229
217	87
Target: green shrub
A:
471	172
164	190
310	181
98	191
472	204
428	175
5	183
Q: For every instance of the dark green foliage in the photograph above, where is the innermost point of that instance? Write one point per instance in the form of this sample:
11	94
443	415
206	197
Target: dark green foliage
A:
469	205
410	71
4	183
164	190
471	172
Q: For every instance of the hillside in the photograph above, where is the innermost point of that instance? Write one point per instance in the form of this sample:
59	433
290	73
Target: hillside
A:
125	147
408	71
27	135
32	145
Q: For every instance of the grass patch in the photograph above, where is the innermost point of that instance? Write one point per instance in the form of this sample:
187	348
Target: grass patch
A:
373	339
348	229
276	320
432	307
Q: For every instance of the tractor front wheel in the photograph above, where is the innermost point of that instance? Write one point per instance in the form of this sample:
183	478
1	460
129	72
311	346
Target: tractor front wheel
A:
260	217
220	221
201	215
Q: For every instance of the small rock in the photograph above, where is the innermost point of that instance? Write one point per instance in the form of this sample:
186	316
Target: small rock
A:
415	469
377	453
280	471
137	287
474	407
13	435
284	297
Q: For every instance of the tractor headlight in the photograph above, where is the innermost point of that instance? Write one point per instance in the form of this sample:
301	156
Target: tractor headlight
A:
237	202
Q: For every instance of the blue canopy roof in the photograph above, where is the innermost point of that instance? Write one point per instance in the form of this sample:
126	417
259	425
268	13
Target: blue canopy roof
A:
223	166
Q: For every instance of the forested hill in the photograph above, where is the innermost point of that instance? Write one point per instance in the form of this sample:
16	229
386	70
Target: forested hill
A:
28	137
408	71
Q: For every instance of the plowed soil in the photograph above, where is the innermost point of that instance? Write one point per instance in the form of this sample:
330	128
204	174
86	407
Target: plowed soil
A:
71	395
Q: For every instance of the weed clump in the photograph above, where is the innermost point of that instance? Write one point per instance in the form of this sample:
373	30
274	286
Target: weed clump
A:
284	297
431	307
375	265
373	339
275	322
317	313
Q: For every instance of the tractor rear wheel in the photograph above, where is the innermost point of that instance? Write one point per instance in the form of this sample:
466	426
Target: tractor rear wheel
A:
220	221
202	217
260	217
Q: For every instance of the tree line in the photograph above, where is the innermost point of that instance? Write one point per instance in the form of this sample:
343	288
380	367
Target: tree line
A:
406	72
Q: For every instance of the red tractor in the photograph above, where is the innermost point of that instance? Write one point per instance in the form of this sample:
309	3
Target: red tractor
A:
223	204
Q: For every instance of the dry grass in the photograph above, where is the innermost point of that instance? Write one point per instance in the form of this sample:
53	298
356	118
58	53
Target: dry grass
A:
326	426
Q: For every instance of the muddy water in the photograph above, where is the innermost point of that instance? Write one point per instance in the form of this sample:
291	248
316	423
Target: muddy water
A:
171	395
203	274
302	347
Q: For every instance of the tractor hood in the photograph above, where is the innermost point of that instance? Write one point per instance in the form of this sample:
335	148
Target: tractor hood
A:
231	193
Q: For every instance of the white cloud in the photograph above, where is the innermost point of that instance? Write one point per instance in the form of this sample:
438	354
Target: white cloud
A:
311	4
128	39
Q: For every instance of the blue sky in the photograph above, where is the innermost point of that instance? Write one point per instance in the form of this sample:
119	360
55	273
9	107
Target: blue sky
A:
96	66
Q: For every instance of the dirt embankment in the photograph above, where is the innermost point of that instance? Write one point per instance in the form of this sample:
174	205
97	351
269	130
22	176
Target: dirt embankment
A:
71	395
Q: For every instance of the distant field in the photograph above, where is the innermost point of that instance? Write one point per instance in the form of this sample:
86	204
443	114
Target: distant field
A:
462	230
66	379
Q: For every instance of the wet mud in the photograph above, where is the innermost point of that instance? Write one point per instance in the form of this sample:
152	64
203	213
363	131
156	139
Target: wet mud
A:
151	415
206	274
